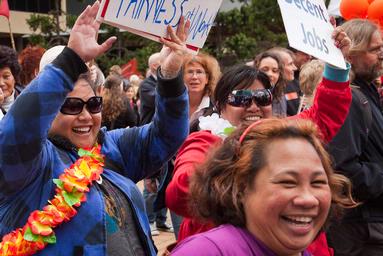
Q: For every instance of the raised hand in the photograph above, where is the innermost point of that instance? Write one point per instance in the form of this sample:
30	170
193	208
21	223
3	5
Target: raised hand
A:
175	50
342	41
83	37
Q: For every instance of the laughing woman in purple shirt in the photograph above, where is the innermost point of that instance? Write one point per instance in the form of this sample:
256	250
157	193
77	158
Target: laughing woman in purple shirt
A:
268	188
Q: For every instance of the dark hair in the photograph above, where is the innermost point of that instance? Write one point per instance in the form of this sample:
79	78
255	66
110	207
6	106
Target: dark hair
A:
113	99
29	59
127	84
278	90
8	58
237	77
218	186
86	76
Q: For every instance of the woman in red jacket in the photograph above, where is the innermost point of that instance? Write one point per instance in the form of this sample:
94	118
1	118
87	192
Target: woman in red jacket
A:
243	95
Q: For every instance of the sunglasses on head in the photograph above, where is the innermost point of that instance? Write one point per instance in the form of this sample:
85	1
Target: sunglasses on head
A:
244	98
74	106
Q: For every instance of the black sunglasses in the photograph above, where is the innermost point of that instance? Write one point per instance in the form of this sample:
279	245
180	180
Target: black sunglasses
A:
244	98
74	106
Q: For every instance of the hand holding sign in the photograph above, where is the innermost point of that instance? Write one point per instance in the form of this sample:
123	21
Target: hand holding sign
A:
173	55
82	38
342	41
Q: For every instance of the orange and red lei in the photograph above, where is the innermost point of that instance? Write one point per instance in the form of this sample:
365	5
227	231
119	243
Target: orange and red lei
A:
71	189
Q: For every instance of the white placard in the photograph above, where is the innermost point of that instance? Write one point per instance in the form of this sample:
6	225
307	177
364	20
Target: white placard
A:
308	29
149	18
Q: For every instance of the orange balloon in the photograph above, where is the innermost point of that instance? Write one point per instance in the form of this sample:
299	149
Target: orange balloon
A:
370	1
375	12
351	9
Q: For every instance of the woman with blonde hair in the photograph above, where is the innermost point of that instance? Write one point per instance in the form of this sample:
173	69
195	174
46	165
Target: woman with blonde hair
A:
201	74
309	77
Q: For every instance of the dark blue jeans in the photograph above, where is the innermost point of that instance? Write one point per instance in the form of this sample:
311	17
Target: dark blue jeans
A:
152	203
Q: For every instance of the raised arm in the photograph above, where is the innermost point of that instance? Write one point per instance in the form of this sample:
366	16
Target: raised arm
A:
333	95
24	130
143	150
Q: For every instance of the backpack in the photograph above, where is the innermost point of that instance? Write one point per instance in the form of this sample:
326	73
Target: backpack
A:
367	114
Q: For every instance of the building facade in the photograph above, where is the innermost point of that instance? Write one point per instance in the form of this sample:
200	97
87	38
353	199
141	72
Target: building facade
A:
20	11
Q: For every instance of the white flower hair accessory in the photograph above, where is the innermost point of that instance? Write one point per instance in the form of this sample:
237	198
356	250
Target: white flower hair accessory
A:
216	125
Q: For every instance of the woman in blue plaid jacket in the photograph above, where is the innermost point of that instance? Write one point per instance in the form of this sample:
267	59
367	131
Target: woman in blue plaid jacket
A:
59	113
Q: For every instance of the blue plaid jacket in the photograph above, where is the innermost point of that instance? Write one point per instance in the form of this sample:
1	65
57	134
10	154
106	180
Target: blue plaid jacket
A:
29	161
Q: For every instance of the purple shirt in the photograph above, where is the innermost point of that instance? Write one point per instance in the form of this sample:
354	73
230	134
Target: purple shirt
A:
225	240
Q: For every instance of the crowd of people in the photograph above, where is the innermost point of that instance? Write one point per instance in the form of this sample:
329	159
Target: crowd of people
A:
277	156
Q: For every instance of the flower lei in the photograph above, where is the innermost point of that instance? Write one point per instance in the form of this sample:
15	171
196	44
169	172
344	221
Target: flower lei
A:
216	125
71	189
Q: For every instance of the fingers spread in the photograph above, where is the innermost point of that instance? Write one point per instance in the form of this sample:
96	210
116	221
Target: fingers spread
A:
167	43
107	44
181	28
96	24
173	36
94	9
83	16
187	29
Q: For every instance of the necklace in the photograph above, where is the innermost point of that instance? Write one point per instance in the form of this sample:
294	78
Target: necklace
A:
71	189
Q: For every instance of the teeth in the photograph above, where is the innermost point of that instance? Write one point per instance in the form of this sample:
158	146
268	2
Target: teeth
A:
300	219
252	118
81	129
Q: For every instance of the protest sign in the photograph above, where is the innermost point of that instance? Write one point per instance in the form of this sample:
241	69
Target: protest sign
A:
149	18
308	29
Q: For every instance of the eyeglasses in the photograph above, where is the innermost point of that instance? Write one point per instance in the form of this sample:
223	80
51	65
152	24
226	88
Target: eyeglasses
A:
197	72
244	98
74	106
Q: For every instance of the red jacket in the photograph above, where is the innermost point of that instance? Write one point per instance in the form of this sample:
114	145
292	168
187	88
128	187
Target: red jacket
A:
194	151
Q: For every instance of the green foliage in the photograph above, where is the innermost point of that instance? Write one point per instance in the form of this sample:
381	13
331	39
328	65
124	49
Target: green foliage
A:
46	30
241	46
70	20
38	39
42	22
127	47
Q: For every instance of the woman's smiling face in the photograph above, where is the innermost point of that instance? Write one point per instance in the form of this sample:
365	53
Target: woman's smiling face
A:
290	197
81	129
7	81
269	66
238	115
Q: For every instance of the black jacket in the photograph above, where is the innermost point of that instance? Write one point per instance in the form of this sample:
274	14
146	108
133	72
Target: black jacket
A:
147	92
357	152
127	118
294	90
